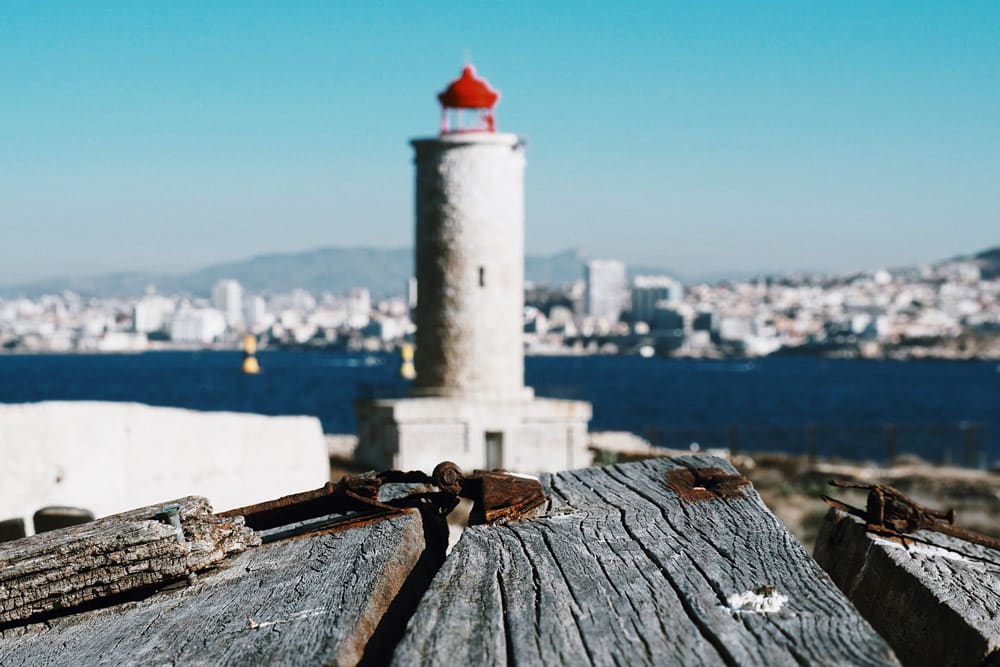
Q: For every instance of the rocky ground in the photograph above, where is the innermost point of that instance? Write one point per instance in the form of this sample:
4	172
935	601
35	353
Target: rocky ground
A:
792	487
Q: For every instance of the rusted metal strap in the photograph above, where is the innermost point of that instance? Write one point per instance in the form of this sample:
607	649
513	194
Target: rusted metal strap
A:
355	494
354	500
891	513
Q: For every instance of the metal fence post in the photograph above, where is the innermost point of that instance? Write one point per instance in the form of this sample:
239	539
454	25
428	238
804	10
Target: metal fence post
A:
734	441
813	440
970	444
890	442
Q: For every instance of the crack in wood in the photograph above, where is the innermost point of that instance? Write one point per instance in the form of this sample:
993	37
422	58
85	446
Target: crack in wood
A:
632	574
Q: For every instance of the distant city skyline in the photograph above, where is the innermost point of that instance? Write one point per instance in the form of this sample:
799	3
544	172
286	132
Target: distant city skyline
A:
723	138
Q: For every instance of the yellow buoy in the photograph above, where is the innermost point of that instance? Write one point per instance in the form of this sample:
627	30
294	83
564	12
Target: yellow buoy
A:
250	365
407	370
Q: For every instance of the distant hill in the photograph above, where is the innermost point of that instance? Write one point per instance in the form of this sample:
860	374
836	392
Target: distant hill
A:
384	271
558	269
989	263
110	284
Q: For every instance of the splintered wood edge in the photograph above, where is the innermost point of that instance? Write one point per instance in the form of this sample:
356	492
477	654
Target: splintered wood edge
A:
106	559
926	594
329	599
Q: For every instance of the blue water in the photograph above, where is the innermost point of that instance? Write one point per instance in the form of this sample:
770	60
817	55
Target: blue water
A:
940	410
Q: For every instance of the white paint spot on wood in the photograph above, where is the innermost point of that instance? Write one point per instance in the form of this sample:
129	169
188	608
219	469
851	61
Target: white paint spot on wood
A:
921	549
757	602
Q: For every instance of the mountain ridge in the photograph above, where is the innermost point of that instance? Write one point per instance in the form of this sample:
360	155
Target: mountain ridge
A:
384	271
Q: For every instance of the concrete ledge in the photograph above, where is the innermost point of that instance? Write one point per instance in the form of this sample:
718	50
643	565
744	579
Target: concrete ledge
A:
429	409
534	435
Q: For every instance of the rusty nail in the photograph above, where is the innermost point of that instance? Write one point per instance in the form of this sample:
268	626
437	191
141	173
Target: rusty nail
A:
890	512
171	516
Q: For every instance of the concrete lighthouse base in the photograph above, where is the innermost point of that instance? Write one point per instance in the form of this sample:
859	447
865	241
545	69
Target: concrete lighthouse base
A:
520	434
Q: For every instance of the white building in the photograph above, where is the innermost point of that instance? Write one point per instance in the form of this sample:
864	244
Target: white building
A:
227	297
735	328
302	300
469	403
359	308
197	325
606	293
152	313
255	314
115	341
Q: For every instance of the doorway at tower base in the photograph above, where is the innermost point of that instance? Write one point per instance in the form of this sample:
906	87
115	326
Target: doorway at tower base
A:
521	435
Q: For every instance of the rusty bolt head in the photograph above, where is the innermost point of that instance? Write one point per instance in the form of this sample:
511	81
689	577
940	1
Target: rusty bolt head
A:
700	484
448	477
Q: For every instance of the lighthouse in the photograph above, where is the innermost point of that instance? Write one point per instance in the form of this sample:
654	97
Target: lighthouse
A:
469	249
469	403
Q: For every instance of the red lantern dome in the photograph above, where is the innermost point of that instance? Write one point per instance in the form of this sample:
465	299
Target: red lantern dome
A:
468	92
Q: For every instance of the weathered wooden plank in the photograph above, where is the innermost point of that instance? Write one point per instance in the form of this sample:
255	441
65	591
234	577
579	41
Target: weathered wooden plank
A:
936	599
618	569
313	600
69	567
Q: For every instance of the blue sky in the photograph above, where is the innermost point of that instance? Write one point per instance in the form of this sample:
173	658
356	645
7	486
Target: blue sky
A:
701	137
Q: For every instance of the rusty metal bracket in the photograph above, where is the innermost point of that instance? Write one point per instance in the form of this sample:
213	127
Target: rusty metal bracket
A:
891	513
354	501
699	484
496	495
500	496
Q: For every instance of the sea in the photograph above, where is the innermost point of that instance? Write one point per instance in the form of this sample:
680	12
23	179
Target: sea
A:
942	411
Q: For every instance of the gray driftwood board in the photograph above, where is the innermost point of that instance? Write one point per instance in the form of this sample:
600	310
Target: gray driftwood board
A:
309	601
65	568
936	600
619	570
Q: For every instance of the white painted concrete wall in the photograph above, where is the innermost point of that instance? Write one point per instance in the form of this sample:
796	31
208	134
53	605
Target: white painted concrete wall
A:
111	457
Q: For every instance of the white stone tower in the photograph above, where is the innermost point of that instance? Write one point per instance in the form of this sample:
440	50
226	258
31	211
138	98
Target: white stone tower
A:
470	265
469	403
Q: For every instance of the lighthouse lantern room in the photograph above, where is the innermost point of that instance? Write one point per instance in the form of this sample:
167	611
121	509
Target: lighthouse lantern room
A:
467	104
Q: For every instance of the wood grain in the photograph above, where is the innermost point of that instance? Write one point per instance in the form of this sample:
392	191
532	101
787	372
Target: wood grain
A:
619	570
65	568
936	599
315	600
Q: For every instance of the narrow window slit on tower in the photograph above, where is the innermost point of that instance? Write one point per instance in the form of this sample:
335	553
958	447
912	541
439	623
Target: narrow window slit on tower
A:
482	276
